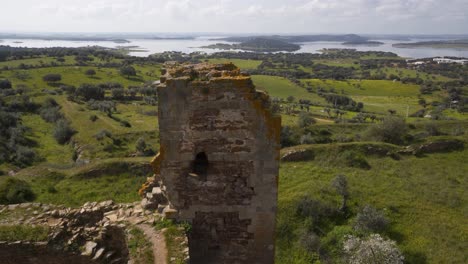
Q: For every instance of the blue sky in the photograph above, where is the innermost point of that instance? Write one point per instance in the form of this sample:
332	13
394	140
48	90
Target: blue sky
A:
237	16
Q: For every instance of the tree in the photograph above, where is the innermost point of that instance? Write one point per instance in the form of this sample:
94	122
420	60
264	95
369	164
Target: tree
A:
340	183
63	131
291	99
90	72
52	78
305	120
118	93
5	84
128	71
89	91
373	249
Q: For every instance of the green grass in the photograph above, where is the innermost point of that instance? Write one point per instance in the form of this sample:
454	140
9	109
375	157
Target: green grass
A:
174	236
378	96
402	72
242	64
23	233
339	63
424	198
118	180
367	87
47	147
282	88
141	250
37	62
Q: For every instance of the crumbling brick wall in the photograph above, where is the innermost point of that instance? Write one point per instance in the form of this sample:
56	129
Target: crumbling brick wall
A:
218	161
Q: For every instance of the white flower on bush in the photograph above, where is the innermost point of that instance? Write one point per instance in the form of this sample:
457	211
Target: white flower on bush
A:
373	249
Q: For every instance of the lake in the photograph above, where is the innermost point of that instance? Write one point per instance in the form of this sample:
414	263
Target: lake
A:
149	46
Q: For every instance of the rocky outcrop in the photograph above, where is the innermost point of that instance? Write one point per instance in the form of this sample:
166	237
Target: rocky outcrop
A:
298	155
434	147
93	233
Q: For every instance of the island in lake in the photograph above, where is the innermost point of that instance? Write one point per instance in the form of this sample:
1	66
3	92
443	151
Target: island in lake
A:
258	45
300	38
363	43
445	44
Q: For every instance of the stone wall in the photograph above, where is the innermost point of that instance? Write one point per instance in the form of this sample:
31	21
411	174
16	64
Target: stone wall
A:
38	253
218	162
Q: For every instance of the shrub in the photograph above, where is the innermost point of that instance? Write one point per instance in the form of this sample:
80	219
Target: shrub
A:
125	123
51	115
370	219
307	139
373	249
313	209
354	160
118	93
13	191
5	84
93	118
432	129
104	106
305	119
89	91
90	72
102	134
24	156
391	130
52	77
63	131
140	145
310	241
128	71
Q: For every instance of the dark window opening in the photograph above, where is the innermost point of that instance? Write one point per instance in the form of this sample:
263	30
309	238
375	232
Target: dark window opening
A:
200	165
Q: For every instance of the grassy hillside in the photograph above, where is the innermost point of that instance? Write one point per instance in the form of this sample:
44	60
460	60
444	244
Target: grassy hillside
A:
424	198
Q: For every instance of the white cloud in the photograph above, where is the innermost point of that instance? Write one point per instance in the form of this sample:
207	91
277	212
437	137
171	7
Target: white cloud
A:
356	16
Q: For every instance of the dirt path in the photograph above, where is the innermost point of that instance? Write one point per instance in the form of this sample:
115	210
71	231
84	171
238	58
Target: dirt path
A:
159	244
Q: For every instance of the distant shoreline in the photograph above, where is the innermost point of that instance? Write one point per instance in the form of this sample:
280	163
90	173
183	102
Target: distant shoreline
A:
455	44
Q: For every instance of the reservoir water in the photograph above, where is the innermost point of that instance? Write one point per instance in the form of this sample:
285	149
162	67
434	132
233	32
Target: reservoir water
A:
150	46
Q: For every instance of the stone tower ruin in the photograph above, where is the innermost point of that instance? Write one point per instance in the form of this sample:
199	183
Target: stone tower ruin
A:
218	162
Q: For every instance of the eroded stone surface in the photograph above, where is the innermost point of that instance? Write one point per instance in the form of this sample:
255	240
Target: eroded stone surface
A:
218	162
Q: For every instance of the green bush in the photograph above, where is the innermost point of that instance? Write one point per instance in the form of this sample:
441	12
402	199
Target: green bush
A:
5	84
13	191
391	130
305	119
90	72
63	131
24	156
371	220
354	159
52	77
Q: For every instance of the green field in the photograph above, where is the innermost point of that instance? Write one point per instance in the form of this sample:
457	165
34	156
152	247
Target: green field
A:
282	88
243	64
424	198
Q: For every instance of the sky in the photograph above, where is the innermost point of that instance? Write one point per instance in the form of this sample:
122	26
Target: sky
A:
237	16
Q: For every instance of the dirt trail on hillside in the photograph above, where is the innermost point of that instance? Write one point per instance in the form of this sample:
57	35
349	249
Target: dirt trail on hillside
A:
159	244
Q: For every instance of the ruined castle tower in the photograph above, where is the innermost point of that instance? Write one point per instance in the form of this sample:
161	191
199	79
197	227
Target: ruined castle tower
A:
218	162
